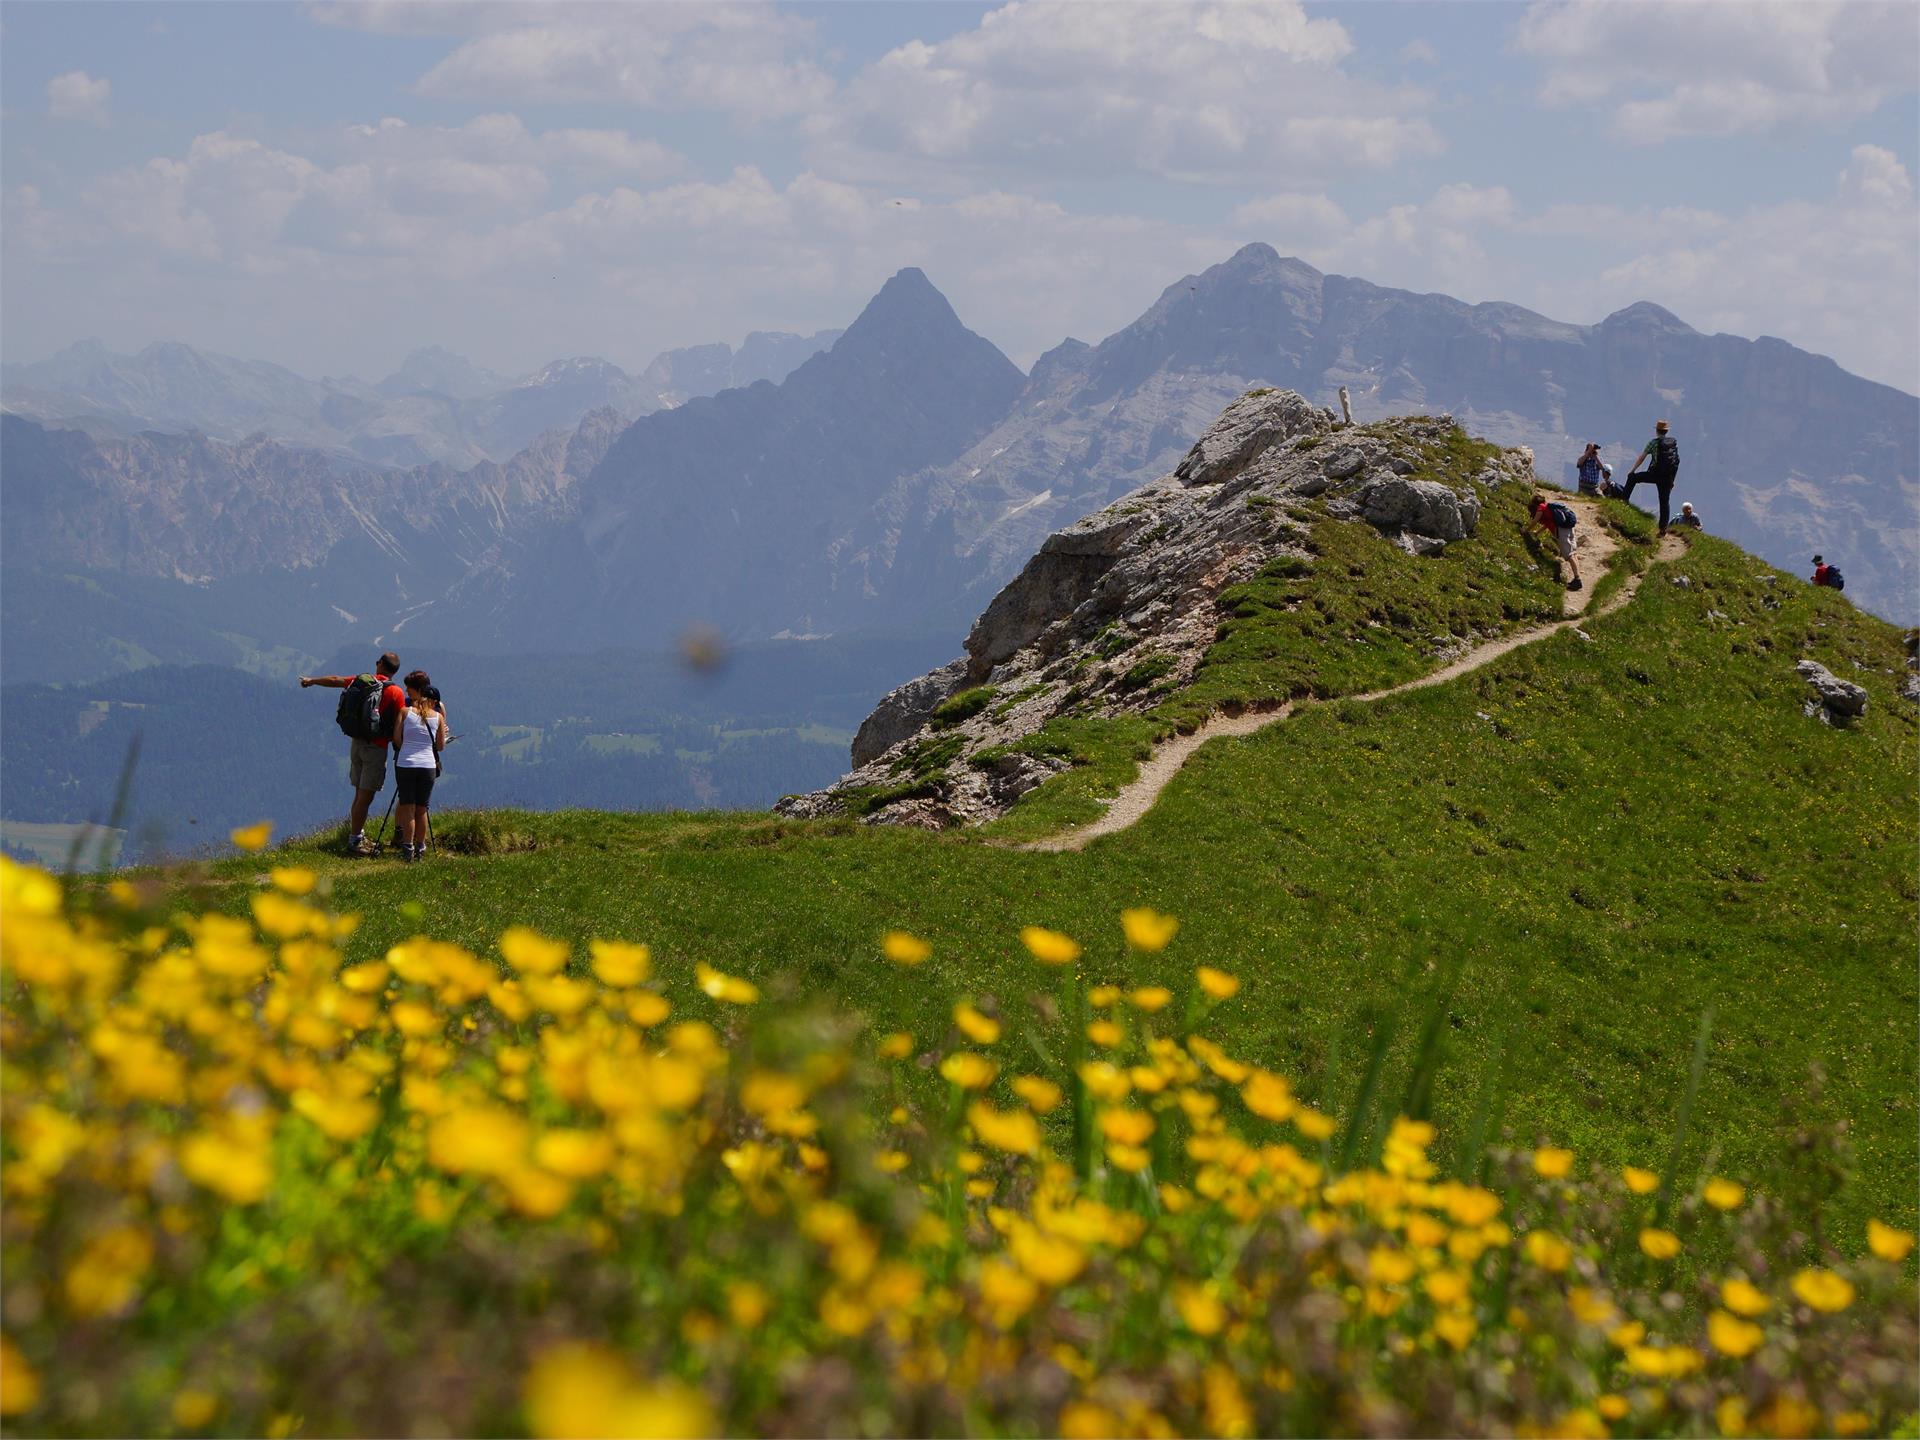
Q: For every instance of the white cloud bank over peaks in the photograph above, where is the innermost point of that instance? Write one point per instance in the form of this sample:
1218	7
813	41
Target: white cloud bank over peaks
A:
743	59
1210	92
76	95
1663	70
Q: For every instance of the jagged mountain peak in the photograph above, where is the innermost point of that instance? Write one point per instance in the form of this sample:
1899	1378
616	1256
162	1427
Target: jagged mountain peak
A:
1647	315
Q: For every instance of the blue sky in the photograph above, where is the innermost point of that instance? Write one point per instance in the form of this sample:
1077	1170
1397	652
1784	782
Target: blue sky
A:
330	185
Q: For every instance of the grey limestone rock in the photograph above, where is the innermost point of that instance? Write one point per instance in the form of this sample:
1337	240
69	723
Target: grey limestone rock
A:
1841	697
1424	507
901	712
1255	422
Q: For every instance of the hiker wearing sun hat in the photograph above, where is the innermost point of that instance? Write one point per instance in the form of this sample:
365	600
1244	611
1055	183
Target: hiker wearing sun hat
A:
1661	455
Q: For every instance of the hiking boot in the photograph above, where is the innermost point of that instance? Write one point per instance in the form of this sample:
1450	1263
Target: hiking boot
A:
1576	585
360	845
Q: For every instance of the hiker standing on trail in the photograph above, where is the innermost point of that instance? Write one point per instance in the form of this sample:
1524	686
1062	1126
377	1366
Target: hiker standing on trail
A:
1589	467
419	732
1689	517
1828	575
1558	520
1662	459
366	714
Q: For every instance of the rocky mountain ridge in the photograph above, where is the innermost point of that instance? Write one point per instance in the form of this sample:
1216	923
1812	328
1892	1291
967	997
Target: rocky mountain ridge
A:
1120	608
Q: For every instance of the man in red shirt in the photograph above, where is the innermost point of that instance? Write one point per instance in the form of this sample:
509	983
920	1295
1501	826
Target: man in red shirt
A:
367	759
1547	520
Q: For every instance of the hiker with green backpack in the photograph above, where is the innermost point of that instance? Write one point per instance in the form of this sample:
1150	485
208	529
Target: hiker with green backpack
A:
366	713
1661	456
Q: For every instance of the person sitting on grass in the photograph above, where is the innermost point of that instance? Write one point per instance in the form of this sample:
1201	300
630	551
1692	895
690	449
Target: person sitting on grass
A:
418	734
1689	517
1558	521
367	750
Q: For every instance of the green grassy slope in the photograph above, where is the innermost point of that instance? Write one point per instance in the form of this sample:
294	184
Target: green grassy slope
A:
1611	834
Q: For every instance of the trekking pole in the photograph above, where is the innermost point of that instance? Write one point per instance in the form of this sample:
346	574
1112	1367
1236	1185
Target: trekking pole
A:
427	816
387	819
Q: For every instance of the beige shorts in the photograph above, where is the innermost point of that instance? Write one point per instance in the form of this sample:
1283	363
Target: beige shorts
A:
367	766
1564	539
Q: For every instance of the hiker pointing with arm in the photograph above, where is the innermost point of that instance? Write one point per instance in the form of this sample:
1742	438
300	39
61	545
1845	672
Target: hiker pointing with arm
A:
366	714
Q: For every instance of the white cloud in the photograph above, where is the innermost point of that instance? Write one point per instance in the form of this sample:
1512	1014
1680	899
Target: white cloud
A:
1418	50
76	95
744	59
1293	220
1189	92
1660	70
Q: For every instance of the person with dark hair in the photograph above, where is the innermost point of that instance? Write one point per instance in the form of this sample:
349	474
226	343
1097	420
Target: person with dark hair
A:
1661	456
1827	575
1558	520
419	732
1588	468
366	713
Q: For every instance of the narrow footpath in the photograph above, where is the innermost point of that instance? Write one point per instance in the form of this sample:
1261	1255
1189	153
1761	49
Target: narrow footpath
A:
1595	546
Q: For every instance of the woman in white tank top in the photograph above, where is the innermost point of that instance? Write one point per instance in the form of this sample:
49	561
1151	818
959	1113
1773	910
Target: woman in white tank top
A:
419	732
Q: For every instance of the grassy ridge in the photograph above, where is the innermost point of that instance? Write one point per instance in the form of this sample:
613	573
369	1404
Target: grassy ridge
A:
1614	834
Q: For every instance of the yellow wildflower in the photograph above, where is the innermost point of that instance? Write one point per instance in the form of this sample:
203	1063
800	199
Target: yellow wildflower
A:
1049	947
1217	983
1314	1125
981	1029
252	837
1723	1194
747	1303
106	1275
1101	996
19	1384
1014	1131
968	1070
1127	1127
573	1154
1823	1290
619	964
1147	929
1200	1308
1613	1408
1640	1182
239	1172
1130	1158
1041	1095
479	1140
897	1046
294	879
1888	1243
1732	1336
1743	1297
1269	1096
1446	1287
574	1392
904	949
1008	1291
1551	1163
1456	1328
1150	998
194	1409
1084	1420
531	953
1105	1081
1105	1032
728	989
1659	1244
1548	1251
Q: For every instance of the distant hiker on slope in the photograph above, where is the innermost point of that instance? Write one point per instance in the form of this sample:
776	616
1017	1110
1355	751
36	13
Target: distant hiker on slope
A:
1558	520
419	733
1689	517
366	714
1589	468
1662	459
1828	575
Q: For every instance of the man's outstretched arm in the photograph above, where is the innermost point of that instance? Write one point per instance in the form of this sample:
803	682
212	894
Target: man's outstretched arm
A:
329	682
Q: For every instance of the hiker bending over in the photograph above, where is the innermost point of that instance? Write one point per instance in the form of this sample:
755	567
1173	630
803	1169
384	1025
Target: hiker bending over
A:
366	714
1558	521
1828	575
1689	517
1662	459
419	732
1589	468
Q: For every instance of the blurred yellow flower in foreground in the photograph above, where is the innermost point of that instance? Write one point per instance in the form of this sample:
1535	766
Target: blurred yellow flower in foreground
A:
1823	1290
294	879
1551	1163
1049	947
1723	1194
584	1392
1217	983
1640	1182
252	837
904	949
728	989
981	1029
531	953
1014	1131
1040	1094
1733	1336
969	1071
19	1385
1743	1297
1148	929
1888	1243
619	964
1659	1244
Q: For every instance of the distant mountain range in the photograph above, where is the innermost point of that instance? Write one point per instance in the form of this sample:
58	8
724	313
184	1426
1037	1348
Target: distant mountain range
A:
891	481
437	408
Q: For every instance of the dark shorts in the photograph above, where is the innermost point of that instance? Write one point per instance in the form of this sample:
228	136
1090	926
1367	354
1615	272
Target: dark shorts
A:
415	785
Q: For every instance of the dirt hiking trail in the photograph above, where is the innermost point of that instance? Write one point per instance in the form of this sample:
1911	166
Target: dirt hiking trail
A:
1594	546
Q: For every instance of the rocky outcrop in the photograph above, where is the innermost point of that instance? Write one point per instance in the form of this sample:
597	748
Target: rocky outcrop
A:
1835	699
1117	609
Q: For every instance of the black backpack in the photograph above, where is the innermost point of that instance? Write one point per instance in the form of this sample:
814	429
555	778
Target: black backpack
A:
1835	580
1666	454
358	713
1563	516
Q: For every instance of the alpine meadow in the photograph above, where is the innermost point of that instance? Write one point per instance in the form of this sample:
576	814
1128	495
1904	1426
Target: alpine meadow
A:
1340	861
